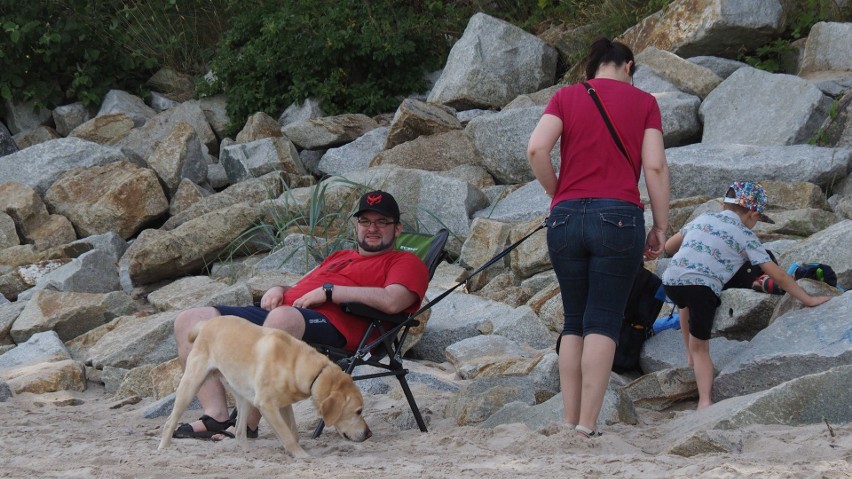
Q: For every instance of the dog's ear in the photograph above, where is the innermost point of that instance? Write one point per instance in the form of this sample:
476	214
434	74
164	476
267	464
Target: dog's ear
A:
331	408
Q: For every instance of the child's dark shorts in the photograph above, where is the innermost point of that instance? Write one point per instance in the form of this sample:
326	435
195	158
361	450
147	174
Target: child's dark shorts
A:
701	302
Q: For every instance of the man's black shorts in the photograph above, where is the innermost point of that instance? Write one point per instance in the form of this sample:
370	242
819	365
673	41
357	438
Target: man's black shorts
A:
318	329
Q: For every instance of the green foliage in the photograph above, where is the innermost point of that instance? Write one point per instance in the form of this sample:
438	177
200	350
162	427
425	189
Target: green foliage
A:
53	52
181	34
352	55
779	56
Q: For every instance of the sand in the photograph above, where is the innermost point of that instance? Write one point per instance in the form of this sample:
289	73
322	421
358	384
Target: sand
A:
92	435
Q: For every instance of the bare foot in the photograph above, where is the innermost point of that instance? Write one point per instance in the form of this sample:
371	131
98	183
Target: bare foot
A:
703	404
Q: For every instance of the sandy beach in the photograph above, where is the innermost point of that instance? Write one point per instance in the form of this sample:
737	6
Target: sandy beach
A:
92	435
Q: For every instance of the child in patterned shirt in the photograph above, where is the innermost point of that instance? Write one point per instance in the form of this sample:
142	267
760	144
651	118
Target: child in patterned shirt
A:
709	250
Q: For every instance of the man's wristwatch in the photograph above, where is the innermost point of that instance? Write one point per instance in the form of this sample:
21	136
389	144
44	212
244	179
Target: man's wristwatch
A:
328	288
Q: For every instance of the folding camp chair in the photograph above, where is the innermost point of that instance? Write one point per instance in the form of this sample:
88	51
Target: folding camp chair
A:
385	351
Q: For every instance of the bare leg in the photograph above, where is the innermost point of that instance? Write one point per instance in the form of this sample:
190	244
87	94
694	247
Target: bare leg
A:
596	364
684	330
570	377
211	394
703	367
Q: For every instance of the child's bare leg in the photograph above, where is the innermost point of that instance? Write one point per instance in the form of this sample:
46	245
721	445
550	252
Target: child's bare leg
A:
684	330
699	351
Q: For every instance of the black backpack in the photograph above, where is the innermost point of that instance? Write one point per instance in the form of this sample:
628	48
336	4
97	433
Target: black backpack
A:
747	275
817	271
641	311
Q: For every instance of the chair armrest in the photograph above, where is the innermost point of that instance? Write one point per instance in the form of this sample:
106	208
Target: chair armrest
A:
361	309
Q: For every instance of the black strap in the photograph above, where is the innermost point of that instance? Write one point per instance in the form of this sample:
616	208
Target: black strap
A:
612	131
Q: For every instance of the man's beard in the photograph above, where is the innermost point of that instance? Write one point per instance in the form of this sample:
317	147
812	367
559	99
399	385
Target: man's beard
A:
383	246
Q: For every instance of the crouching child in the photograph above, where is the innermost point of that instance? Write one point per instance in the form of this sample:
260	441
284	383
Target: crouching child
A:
708	251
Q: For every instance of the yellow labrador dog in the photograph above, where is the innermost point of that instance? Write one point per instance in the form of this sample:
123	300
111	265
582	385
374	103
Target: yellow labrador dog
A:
271	370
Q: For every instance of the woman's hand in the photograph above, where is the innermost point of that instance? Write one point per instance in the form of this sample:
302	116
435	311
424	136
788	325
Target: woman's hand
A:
654	243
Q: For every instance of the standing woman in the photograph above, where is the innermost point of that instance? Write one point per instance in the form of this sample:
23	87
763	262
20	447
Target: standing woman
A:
596	229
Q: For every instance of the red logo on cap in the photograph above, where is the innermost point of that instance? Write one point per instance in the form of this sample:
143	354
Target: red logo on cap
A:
373	200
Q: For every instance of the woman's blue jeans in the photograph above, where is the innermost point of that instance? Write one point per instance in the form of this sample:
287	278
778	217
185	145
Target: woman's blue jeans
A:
595	247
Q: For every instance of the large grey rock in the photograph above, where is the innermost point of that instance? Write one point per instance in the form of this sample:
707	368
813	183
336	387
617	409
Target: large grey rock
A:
809	399
502	141
215	112
492	63
743	313
703	169
179	156
39	348
243	161
523	204
679	112
145	340
689	77
297	254
68	117
665	350
118	101
616	408
142	141
661	389
39	166
70	314
9	312
156	254
745	109
708	27
23	116
414	118
438	152
119	197
309	109
480	398
105	130
8	233
259	125
7	144
184	293
829	246
824	50
459	316
330	131
796	344
722	67
490	355
353	156
91	272
254	190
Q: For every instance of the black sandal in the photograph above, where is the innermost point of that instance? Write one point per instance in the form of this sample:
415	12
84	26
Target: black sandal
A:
250	433
214	428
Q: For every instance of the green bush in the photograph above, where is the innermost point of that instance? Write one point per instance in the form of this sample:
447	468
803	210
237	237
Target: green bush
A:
352	55
53	52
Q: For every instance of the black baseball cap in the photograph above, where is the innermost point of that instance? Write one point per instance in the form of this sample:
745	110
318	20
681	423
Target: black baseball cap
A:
379	201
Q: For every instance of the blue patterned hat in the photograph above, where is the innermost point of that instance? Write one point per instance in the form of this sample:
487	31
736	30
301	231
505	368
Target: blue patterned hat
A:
749	195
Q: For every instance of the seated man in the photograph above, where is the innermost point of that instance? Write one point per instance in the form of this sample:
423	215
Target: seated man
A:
375	274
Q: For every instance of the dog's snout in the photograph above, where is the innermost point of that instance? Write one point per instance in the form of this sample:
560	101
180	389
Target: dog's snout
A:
368	434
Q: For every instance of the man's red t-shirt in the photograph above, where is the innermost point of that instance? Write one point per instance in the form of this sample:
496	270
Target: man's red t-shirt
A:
592	166
349	268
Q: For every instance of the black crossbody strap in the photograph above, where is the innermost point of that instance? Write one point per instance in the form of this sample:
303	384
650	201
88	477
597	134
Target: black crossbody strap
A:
591	91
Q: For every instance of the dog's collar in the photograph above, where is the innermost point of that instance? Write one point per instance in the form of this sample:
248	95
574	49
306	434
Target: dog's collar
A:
311	389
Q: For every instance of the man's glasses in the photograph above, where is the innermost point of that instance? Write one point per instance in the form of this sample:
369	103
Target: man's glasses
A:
381	223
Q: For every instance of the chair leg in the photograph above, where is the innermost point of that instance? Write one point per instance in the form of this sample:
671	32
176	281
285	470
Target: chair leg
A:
411	403
318	429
